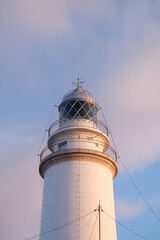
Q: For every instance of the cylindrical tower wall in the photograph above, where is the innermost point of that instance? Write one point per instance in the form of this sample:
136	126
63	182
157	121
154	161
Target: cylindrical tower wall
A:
72	189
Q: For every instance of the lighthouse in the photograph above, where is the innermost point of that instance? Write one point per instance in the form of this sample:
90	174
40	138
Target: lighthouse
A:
78	166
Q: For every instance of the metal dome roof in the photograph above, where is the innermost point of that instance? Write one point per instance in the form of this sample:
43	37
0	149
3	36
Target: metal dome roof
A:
78	93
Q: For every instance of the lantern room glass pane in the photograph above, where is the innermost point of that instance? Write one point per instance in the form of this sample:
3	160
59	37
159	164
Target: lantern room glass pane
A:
74	110
78	109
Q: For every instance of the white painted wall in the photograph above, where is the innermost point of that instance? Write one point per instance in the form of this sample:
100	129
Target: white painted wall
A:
71	190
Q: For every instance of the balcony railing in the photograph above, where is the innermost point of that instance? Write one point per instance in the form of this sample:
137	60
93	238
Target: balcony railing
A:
61	124
76	143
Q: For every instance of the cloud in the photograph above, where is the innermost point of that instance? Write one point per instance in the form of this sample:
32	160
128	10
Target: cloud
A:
131	89
52	17
20	201
128	209
136	102
36	16
21	190
38	36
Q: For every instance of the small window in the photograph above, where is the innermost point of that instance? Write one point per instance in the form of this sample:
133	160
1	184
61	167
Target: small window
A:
62	146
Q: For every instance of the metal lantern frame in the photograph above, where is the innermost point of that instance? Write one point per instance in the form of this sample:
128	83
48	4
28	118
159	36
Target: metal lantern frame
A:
78	108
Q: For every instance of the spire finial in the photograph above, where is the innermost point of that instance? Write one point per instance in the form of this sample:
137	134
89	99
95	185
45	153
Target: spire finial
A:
78	83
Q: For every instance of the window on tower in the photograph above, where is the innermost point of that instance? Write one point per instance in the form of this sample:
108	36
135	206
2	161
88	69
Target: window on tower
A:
62	146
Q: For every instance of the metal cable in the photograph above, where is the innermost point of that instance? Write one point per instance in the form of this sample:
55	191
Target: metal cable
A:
57	228
47	125
128	229
129	175
44	135
93	227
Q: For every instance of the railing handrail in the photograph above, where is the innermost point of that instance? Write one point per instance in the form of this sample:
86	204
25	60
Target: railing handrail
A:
58	122
82	140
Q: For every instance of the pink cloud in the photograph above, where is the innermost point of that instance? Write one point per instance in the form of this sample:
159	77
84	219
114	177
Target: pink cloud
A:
128	209
21	189
132	102
53	17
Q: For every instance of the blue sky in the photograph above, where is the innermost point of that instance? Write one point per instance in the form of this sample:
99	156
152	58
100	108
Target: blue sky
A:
115	48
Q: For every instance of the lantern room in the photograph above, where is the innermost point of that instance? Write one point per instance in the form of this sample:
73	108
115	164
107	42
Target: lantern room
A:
78	104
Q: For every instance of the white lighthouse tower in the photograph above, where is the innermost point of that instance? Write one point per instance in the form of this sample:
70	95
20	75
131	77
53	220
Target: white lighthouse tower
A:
78	167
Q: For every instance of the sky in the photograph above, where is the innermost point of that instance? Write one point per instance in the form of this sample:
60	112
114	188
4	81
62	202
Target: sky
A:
114	46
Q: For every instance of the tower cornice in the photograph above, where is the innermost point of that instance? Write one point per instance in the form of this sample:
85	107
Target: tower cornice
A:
78	155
